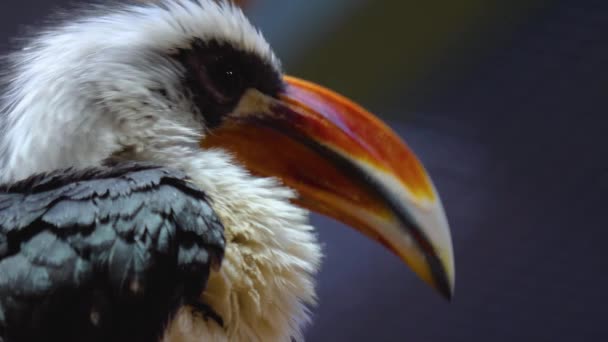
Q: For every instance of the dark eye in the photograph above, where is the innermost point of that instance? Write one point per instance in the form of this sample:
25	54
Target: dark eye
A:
226	79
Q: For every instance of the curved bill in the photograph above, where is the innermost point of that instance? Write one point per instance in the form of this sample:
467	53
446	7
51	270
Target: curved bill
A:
347	164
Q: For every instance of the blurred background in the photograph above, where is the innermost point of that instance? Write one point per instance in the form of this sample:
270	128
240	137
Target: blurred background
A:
505	102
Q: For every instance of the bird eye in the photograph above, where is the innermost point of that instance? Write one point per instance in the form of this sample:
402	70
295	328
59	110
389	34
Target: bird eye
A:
227	80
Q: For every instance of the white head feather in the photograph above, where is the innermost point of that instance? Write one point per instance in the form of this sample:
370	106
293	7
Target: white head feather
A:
86	90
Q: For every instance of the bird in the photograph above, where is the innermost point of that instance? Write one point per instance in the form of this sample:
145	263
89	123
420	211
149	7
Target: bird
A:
158	171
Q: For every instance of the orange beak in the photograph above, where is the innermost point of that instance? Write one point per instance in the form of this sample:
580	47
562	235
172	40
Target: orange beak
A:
344	163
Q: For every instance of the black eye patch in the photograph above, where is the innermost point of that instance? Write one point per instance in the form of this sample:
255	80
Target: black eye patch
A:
217	75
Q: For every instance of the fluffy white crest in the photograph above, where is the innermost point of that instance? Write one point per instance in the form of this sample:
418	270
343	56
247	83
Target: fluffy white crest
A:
87	76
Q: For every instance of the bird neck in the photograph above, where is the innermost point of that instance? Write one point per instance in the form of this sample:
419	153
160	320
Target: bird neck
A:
272	254
39	136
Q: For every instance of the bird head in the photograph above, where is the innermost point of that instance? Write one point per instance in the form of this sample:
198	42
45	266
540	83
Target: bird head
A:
193	84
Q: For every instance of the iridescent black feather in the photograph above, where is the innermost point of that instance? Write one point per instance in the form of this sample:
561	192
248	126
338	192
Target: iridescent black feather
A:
103	254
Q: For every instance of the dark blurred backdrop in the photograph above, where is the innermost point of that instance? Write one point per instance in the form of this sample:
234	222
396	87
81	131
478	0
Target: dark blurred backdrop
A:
505	102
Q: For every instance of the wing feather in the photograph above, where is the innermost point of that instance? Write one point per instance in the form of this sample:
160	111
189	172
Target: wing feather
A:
105	253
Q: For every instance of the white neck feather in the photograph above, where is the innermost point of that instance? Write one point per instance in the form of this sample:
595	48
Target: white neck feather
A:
272	256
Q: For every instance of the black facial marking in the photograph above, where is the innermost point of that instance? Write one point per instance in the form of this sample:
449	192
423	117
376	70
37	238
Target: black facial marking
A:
217	74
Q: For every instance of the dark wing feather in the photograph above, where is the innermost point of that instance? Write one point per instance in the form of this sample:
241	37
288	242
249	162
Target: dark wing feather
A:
103	254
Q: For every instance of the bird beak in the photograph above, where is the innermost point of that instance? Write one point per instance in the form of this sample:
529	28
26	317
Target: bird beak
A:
344	163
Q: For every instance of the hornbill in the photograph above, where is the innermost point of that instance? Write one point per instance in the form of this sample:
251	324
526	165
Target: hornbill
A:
158	168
